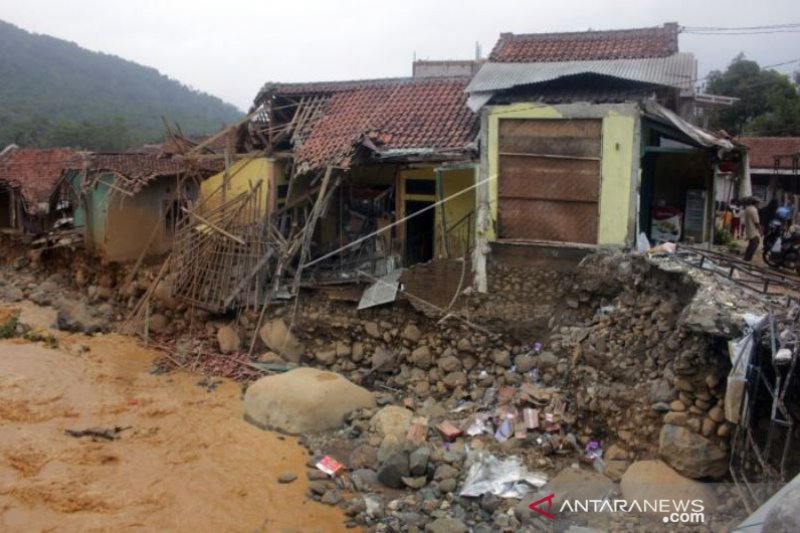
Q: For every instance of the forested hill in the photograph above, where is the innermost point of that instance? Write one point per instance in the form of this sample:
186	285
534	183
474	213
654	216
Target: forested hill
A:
55	93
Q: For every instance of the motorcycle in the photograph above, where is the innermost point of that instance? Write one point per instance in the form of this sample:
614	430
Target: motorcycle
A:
781	247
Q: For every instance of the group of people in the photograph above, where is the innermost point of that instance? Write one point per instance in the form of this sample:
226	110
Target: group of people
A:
741	218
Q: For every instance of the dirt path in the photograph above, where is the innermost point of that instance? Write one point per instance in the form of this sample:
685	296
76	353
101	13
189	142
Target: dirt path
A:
188	463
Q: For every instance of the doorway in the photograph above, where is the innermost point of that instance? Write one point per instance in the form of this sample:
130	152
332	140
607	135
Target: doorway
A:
419	232
5	208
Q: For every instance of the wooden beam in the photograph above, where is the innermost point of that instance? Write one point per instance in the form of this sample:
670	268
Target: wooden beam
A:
213	226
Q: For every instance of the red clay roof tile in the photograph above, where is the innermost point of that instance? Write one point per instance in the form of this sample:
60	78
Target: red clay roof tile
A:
35	172
585	46
395	114
139	169
762	150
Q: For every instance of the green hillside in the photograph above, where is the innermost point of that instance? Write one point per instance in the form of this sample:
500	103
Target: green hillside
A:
55	93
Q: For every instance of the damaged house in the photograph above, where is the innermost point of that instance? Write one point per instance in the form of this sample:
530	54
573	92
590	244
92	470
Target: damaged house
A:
403	143
583	142
130	203
31	201
333	168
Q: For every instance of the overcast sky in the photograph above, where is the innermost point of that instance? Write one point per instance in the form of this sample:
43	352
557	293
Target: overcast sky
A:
230	48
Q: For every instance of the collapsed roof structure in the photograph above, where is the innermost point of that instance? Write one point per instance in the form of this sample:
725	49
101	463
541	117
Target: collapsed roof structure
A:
28	180
335	123
358	142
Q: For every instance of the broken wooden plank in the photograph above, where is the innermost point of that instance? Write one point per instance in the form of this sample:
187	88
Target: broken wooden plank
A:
213	226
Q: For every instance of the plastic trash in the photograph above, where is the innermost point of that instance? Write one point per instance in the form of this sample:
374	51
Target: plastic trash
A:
506	478
330	466
505	430
593	450
477	427
783	356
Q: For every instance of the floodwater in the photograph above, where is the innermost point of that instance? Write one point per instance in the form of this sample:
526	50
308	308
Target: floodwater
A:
188	462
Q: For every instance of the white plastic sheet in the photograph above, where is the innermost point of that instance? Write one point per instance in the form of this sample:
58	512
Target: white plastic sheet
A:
506	478
740	351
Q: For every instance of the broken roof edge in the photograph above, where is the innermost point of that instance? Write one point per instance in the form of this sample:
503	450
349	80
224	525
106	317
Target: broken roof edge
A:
704	138
317	87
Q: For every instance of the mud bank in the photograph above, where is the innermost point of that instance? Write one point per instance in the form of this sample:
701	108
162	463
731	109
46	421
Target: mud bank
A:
187	463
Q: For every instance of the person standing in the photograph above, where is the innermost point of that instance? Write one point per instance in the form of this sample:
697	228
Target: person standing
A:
752	228
737	210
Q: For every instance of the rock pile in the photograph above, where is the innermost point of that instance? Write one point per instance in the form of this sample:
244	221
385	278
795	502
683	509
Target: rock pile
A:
581	375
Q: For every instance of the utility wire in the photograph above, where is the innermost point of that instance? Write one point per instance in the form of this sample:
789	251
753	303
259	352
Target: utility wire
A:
765	67
725	34
741	28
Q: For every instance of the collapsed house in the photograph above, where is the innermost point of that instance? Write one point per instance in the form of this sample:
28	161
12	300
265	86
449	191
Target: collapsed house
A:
31	201
583	144
330	171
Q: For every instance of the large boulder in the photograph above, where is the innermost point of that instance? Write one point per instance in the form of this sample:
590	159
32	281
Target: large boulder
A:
303	400
655	480
691	454
278	338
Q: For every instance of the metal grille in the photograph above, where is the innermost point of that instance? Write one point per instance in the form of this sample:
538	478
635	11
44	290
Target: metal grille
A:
549	182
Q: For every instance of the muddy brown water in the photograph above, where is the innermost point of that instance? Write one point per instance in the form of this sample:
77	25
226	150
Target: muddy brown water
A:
188	463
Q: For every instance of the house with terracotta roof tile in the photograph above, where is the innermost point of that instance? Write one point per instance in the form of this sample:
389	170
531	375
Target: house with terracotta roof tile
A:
585	142
395	147
774	164
31	200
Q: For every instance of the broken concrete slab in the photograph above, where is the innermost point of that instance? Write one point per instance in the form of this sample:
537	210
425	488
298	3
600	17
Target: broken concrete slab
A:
303	400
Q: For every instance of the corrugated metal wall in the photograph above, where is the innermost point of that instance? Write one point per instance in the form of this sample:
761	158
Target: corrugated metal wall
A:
549	182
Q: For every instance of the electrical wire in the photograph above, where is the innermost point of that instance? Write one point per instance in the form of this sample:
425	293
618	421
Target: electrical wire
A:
742	28
725	34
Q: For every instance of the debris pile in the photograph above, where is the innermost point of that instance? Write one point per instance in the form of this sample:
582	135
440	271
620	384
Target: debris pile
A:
552	379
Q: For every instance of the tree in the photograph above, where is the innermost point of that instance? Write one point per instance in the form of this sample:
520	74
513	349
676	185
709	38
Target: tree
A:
769	102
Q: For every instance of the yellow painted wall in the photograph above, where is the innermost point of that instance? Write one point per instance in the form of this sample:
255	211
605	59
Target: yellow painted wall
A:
454	210
242	174
616	185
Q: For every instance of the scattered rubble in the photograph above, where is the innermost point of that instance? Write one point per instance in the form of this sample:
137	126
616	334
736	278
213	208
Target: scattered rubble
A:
585	378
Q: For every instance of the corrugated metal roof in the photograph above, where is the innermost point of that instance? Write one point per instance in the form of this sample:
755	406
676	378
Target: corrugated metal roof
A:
678	70
699	135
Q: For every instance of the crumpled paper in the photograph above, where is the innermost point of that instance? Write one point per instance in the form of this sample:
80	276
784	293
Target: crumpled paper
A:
506	478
